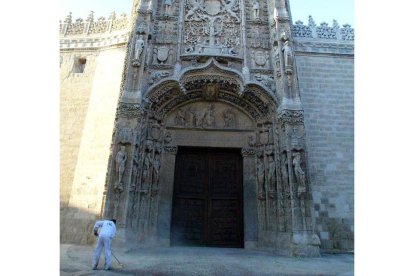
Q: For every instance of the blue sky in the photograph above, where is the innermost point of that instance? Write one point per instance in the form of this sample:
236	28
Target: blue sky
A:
321	10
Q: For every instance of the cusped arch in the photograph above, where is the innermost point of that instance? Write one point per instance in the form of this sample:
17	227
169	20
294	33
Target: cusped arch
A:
211	81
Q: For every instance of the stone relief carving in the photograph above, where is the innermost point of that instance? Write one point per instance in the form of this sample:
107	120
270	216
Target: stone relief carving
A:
204	114
212	27
229	118
211	90
156	75
125	133
120	160
258	36
138	48
162	54
165	32
260	59
267	81
208	118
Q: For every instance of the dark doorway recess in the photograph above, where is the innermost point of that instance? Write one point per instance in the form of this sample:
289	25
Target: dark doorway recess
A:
208	198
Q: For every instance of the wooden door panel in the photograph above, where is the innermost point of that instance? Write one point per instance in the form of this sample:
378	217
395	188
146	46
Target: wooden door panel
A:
223	176
189	222
207	203
225	228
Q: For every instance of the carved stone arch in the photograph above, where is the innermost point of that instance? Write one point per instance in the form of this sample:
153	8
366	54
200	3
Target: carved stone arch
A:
212	82
212	72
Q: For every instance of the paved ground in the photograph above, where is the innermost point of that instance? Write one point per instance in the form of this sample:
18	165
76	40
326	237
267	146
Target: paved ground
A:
76	260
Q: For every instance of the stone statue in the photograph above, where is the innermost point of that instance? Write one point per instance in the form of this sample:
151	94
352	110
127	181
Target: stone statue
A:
260	177
271	173
284	169
208	117
139	47
120	160
288	56
256	9
157	166
134	169
180	117
146	174
299	173
276	59
228	116
167	6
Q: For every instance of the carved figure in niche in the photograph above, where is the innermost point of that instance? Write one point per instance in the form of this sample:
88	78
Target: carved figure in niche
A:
299	173
146	173
229	118
288	56
180	118
260	177
285	174
157	166
139	47
271	177
120	160
276	58
167	7
190	117
134	169
256	9
208	117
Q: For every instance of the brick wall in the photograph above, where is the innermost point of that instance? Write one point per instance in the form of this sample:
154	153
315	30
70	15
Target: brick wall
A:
326	86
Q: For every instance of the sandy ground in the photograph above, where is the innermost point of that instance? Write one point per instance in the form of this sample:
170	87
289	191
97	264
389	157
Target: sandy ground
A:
76	260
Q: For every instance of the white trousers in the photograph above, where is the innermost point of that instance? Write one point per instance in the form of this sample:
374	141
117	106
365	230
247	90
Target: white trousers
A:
103	242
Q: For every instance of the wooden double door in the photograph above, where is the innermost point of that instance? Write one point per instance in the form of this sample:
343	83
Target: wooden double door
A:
208	198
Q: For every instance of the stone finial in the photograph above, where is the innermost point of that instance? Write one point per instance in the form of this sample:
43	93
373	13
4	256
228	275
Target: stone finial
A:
112	16
90	17
335	24
68	19
311	22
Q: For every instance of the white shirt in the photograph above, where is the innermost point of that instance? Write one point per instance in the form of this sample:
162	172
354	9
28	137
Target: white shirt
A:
108	228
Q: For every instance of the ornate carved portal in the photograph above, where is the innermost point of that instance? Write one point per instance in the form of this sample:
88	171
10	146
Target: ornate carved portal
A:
216	74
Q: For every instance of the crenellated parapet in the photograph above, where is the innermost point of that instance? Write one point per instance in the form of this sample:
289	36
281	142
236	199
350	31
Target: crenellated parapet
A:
323	31
92	26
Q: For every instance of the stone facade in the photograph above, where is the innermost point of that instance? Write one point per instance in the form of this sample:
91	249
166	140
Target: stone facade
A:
209	74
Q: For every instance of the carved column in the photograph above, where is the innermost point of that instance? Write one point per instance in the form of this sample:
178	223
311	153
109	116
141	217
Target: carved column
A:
250	210
304	241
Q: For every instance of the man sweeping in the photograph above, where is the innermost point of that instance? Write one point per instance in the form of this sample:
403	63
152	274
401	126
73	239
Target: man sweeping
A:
106	233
